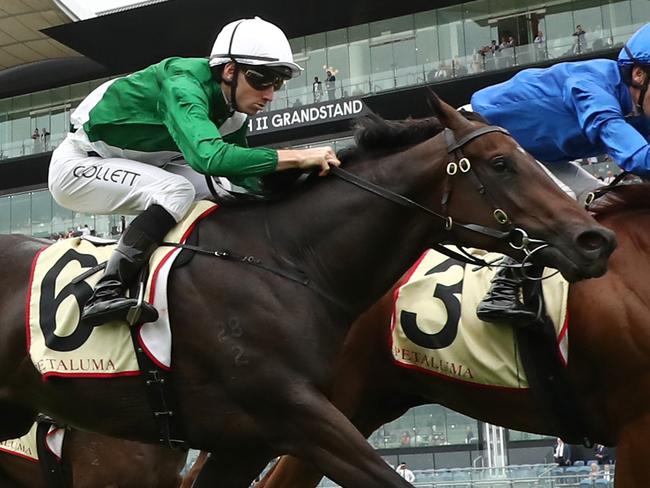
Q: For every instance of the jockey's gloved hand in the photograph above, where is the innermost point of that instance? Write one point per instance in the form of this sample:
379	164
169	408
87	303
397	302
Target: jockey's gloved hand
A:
320	157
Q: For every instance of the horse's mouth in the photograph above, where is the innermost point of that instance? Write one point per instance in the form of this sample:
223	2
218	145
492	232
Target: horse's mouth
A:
571	270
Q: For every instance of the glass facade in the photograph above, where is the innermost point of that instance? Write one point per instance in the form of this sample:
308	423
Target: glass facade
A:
428	425
424	47
463	39
38	122
36	213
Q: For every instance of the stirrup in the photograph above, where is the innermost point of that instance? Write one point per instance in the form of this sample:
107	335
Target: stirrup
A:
118	310
135	312
516	317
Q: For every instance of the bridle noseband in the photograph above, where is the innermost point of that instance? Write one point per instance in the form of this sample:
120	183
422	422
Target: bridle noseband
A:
516	237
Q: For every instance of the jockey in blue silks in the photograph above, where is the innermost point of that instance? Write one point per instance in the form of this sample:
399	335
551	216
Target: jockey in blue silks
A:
565	112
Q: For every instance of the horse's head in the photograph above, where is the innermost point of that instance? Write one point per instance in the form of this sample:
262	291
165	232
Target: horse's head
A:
492	172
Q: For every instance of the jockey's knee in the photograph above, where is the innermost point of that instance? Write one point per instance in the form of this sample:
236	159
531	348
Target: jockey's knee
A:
177	196
61	194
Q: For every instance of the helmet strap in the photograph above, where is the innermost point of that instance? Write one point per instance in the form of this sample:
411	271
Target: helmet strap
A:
643	87
233	89
235	75
642	93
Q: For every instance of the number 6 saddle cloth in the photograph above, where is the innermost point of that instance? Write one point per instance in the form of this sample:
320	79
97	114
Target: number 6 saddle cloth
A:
434	327
59	346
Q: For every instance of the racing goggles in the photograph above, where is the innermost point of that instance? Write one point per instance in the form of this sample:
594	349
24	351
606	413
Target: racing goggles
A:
261	78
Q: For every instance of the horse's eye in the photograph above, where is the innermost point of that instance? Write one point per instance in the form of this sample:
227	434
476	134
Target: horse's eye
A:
499	165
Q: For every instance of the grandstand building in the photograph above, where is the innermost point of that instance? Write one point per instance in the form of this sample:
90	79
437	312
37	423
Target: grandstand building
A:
385	55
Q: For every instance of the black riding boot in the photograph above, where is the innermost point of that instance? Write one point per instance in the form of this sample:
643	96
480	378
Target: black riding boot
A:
502	304
140	239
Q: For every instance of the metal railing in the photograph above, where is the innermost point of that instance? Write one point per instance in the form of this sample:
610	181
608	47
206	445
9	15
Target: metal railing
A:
514	476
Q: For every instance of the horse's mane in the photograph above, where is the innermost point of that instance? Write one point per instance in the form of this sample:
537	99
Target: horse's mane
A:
625	197
374	135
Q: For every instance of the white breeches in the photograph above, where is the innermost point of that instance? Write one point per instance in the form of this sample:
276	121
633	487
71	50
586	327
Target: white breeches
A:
107	185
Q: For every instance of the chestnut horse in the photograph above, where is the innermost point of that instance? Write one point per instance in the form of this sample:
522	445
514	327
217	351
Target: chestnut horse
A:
609	361
253	349
90	460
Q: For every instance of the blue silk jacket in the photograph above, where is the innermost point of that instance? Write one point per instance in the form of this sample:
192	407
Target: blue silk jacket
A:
570	111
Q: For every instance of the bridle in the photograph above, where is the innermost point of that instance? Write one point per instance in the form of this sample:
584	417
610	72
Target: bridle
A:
516	237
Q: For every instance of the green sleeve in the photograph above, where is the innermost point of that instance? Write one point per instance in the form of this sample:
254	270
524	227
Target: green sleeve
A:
239	137
184	109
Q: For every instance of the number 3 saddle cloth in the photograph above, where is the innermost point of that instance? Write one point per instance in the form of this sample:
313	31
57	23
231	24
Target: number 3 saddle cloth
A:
435	329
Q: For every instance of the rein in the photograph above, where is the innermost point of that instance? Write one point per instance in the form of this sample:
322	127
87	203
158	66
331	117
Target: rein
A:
227	255
599	192
516	237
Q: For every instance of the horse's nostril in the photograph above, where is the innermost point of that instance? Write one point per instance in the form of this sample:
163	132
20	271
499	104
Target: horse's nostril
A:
595	240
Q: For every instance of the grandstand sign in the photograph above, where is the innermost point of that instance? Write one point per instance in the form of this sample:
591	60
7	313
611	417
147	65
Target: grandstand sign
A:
305	115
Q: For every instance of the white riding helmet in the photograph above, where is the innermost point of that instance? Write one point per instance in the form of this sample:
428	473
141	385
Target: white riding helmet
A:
253	42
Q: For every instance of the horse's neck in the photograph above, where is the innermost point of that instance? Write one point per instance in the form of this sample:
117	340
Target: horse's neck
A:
354	244
631	260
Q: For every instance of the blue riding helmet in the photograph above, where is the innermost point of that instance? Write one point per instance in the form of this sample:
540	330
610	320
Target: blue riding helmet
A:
636	52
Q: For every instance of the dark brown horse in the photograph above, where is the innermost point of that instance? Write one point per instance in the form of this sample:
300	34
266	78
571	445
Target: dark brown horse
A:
90	460
609	361
252	355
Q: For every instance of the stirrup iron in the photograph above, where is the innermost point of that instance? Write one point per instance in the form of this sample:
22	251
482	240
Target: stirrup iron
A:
135	312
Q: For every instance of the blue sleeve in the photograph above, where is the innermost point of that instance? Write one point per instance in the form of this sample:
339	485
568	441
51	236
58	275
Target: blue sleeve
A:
602	121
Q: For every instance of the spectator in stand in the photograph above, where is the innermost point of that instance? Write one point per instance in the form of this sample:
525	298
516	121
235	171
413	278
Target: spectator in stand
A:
506	42
36	136
478	61
405	440
540	46
317	89
562	453
443	72
602	453
404	471
45	134
607	180
330	85
469	435
581	41
506	49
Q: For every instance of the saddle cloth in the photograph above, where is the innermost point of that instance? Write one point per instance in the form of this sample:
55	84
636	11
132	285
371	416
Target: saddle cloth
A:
59	346
25	446
434	327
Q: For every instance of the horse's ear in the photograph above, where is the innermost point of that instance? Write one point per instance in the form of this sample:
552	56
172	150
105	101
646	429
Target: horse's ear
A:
448	116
